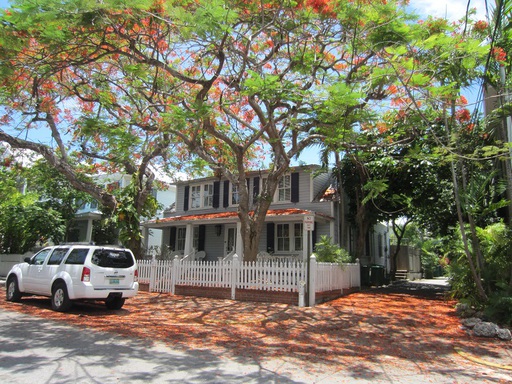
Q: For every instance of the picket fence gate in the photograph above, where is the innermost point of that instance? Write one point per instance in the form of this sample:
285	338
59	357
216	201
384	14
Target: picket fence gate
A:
269	275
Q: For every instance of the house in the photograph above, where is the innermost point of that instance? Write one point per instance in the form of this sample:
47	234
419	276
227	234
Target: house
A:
304	208
82	228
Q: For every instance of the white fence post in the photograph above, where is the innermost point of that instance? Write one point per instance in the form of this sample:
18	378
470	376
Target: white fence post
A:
302	289
312	280
235	268
174	274
152	275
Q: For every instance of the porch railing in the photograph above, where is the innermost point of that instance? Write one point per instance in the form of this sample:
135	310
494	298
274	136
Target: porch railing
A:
267	275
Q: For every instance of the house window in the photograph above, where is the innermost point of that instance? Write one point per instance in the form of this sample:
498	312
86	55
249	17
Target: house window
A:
201	196
289	237
208	195
235	197
180	238
284	189
283	238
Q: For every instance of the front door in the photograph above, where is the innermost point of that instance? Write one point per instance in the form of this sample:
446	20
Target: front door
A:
230	239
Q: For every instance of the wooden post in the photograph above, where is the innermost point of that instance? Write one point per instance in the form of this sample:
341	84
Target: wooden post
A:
312	280
175	272
302	288
235	268
152	275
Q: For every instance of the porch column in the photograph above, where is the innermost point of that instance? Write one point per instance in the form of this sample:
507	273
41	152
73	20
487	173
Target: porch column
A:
305	237
88	235
189	236
239	250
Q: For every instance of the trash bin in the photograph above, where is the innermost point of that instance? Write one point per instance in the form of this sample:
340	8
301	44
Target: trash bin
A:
377	275
365	275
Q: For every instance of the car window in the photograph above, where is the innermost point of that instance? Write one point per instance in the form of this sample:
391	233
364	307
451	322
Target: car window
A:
77	256
38	258
112	258
57	256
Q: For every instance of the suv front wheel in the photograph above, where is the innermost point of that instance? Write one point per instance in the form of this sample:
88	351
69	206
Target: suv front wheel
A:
60	298
12	293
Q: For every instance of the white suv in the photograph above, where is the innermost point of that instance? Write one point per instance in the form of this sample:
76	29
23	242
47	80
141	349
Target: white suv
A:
76	272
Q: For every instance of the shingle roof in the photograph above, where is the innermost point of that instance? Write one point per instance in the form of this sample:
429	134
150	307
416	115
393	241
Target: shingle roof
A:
220	216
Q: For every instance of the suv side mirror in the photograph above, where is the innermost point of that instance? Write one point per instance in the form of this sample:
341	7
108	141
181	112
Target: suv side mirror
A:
27	260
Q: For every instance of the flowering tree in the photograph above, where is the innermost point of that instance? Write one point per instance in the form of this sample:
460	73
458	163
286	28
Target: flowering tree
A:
218	83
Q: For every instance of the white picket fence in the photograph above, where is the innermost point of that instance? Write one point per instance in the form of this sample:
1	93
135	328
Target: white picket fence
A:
269	275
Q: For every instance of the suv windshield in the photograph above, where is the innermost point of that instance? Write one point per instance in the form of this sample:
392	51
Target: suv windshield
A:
112	258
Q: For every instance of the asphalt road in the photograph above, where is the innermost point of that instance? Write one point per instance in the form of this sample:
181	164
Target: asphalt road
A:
35	351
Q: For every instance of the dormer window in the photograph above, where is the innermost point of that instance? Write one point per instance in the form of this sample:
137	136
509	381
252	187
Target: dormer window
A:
235	196
284	189
201	196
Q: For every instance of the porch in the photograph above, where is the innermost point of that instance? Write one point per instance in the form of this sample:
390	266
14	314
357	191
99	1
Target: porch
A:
217	236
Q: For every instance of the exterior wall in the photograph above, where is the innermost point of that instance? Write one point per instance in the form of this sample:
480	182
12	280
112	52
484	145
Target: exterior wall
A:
409	260
154	238
377	247
308	189
7	261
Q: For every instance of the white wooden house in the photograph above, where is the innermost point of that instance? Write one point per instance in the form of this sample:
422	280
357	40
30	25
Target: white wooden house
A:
205	218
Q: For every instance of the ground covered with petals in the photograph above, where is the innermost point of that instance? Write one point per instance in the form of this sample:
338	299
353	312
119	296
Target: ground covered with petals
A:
374	325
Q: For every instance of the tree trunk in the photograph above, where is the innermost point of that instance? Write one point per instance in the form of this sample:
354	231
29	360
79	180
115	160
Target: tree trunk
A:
474	272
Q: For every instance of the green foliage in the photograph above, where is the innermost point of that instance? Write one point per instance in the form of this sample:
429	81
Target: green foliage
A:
23	223
128	215
328	252
431	257
499	308
496	244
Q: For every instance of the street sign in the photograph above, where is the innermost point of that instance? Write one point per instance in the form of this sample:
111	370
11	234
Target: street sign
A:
309	222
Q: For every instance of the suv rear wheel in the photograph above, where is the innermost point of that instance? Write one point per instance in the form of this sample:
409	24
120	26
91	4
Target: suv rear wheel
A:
114	303
12	293
60	298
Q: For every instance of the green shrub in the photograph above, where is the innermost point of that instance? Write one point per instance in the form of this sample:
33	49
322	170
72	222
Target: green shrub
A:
499	309
328	252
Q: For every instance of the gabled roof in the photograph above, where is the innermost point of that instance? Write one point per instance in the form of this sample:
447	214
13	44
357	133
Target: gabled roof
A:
232	216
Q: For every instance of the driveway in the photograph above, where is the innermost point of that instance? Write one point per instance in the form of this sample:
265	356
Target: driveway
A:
381	336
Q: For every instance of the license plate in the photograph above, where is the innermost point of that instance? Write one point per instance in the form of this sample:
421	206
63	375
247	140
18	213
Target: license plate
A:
114	281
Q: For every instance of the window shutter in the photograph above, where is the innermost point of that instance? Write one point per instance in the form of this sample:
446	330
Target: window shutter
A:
216	194
270	237
313	240
202	238
172	239
226	194
256	187
295	187
185	201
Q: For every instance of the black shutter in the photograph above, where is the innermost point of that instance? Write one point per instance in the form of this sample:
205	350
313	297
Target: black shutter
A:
216	194
185	201
313	235
270	237
201	240
172	239
295	187
226	194
256	187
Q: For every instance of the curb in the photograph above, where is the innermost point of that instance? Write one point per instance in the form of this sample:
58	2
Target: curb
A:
481	361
